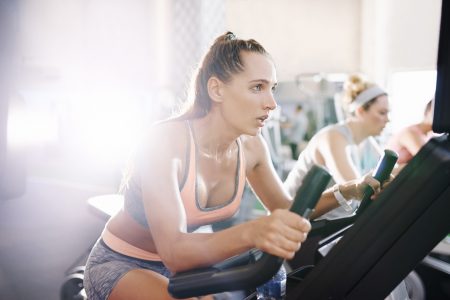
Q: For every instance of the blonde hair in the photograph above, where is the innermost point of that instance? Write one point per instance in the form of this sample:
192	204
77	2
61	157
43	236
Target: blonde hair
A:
353	86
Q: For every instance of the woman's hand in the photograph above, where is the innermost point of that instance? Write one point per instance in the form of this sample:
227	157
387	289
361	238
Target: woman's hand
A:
281	233
355	189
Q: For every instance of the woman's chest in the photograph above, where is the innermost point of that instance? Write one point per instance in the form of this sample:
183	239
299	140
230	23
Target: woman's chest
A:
216	183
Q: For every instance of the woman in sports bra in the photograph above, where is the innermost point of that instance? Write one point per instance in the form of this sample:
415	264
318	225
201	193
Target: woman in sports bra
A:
190	171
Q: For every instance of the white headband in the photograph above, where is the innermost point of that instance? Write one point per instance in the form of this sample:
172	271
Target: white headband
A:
366	96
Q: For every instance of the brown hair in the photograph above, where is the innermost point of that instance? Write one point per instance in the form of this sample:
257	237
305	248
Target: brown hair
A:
222	60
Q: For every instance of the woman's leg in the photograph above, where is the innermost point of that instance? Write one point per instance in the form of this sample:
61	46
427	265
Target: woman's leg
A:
141	284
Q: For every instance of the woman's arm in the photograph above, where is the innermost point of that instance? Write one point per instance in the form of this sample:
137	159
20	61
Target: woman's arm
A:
353	189
268	187
262	176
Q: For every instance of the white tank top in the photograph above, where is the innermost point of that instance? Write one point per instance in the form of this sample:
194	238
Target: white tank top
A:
306	161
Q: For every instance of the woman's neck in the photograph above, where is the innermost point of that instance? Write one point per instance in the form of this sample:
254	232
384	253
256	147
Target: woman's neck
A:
358	131
213	139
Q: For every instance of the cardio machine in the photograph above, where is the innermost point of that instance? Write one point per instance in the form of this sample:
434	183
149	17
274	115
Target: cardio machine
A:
246	273
383	245
391	238
384	242
253	268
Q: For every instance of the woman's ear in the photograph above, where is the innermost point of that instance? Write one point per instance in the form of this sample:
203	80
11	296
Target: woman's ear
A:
359	111
215	90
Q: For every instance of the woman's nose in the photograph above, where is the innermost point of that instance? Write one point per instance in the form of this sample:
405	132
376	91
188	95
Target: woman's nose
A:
271	103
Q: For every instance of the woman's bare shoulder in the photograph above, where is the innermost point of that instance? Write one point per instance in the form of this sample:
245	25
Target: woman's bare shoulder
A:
331	133
325	139
251	143
255	150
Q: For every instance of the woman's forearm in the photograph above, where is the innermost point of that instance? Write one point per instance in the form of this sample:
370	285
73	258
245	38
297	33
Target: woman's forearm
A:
326	203
195	250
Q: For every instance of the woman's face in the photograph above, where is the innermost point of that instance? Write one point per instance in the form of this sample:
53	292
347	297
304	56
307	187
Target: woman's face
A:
248	96
377	116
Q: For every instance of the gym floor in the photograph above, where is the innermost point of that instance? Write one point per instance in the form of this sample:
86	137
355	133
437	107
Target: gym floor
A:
42	234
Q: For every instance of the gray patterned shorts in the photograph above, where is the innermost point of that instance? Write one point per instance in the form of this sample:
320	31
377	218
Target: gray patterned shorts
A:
105	267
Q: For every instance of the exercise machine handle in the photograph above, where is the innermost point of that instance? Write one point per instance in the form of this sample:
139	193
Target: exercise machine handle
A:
254	267
381	173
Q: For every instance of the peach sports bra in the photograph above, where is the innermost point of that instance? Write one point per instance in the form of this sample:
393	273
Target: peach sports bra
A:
195	214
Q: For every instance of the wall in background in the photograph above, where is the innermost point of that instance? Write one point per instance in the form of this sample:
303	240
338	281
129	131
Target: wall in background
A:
367	36
302	36
110	61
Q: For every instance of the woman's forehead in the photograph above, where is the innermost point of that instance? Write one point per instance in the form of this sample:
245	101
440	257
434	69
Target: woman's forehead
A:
258	66
382	102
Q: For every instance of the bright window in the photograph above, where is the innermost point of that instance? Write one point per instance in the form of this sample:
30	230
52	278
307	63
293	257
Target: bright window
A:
409	93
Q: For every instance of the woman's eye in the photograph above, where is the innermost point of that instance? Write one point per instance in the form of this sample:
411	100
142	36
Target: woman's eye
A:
257	87
274	88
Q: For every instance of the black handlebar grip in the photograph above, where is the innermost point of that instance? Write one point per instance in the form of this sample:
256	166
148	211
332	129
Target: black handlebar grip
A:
385	165
381	173
232	274
308	194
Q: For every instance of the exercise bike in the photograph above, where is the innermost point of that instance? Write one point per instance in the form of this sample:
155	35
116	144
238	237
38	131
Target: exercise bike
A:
253	268
241	270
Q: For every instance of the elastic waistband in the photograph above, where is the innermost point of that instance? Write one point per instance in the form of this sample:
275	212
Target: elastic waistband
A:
120	246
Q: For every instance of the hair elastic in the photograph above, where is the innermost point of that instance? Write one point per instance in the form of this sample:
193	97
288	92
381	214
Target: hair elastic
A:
230	36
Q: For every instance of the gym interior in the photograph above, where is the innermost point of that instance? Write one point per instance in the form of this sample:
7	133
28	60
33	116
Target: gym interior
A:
80	79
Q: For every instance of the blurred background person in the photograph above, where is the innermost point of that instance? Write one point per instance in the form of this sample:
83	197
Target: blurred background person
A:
408	141
346	149
342	148
297	128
